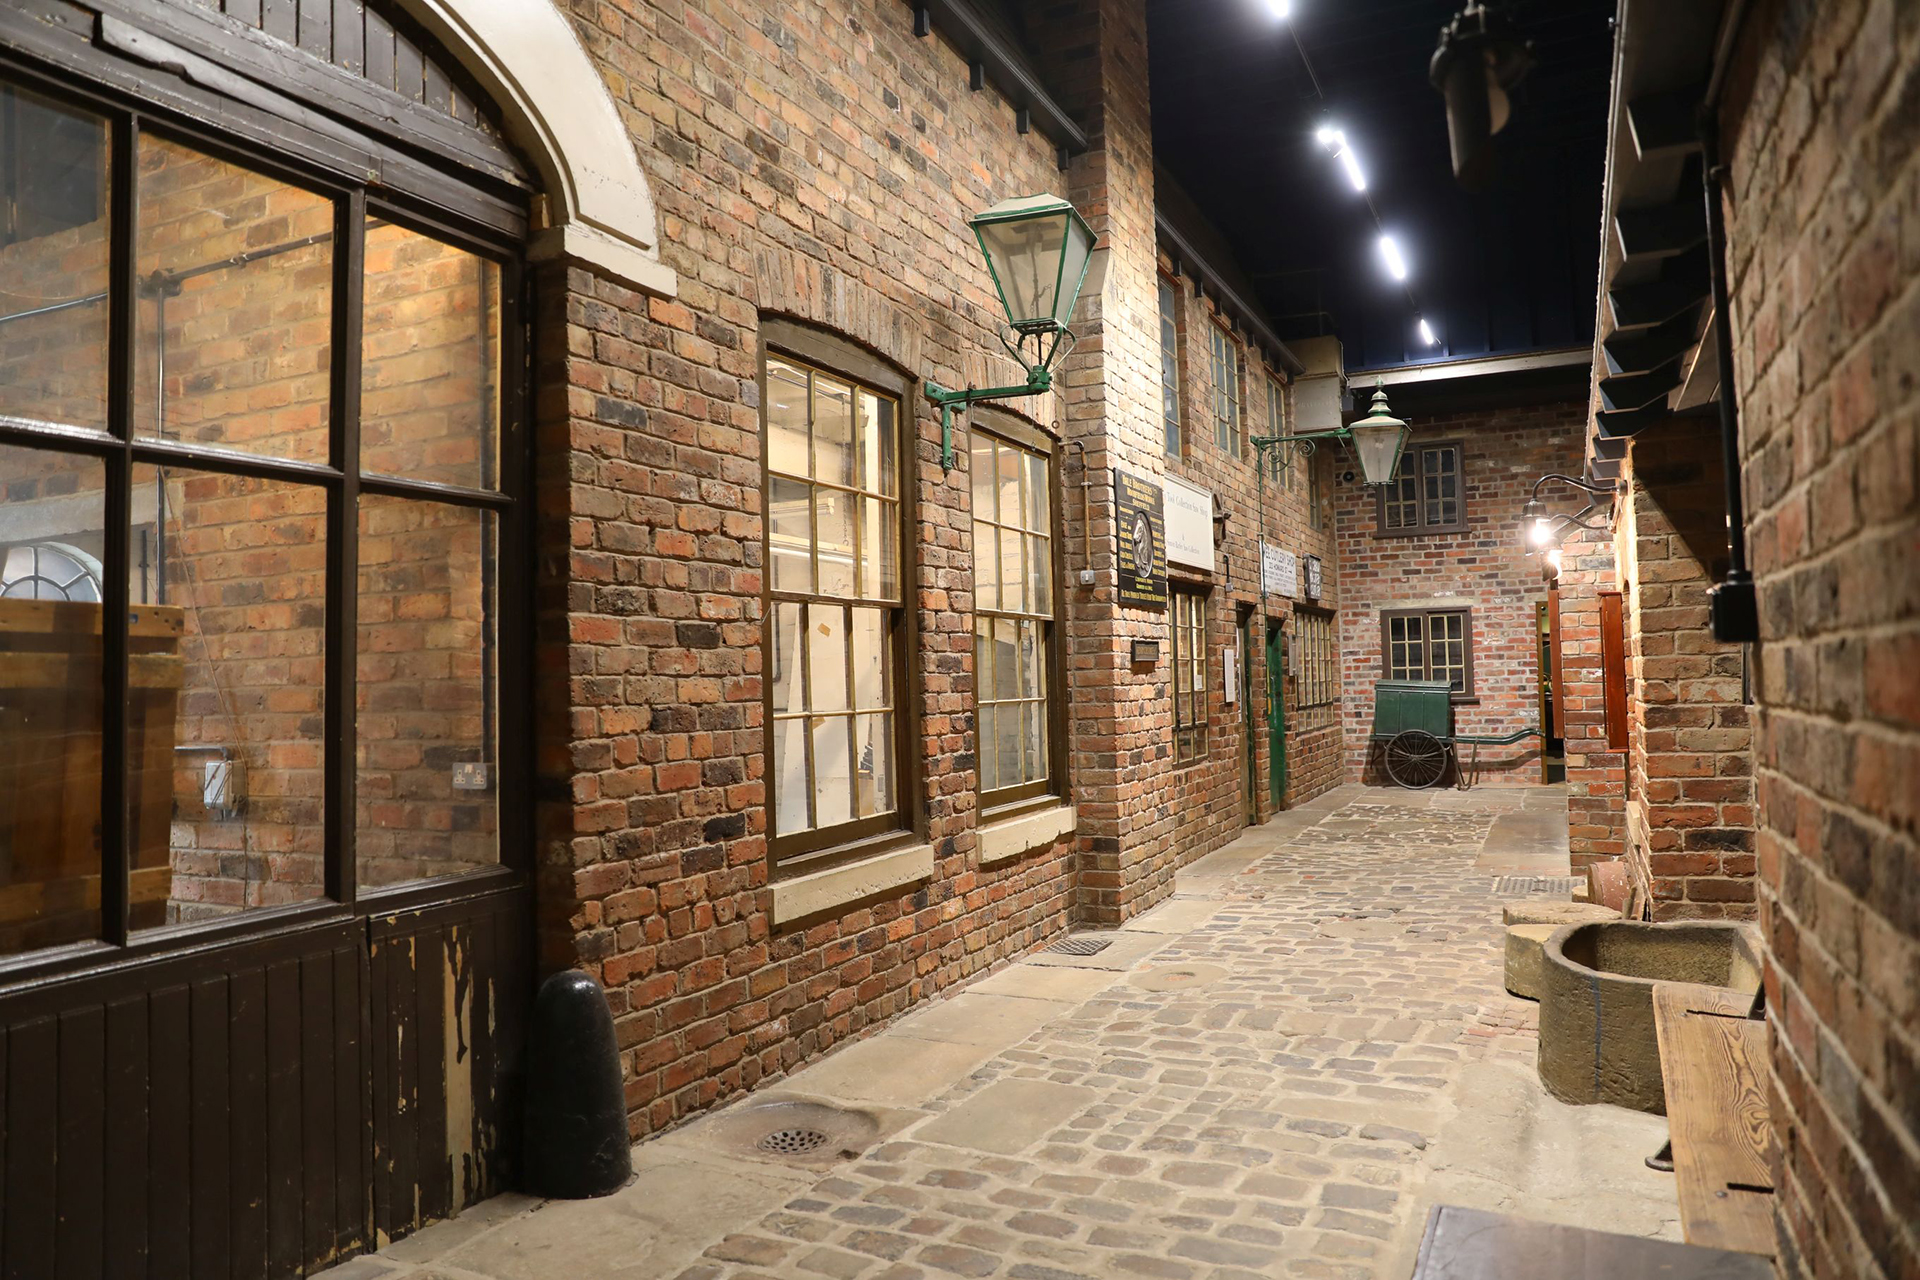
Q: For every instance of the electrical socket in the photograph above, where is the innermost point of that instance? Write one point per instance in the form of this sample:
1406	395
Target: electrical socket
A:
470	775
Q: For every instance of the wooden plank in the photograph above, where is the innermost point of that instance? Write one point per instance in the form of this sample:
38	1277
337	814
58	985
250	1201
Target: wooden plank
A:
473	1169
1713	1061
316	1103
247	11
79	1174
210	1167
286	1189
409	69
404	1054
127	1121
379	51
1557	672
435	1195
170	1232
316	28
247	1032
352	1154
379	1069
32	1137
1613	667
280	19
349	35
439	89
3	1143
19	618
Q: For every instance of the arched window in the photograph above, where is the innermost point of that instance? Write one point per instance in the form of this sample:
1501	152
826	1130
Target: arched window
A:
49	571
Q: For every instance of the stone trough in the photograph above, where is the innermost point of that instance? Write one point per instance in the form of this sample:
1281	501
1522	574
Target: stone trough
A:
1597	1041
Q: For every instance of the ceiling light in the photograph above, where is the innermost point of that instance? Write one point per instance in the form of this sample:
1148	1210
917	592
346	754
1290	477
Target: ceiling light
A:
1329	138
1426	333
1281	9
1391	252
1352	166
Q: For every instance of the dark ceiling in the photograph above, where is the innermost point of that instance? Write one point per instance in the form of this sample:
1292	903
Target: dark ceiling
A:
1509	270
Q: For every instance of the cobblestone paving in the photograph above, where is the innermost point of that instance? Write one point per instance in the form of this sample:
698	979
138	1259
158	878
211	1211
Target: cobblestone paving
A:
1269	1117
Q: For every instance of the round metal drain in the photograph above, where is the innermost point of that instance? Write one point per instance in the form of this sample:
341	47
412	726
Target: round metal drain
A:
793	1142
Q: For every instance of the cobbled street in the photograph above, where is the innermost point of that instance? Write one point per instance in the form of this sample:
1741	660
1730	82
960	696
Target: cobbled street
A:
1277	1072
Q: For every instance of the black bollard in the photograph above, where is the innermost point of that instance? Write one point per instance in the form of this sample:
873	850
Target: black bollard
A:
576	1115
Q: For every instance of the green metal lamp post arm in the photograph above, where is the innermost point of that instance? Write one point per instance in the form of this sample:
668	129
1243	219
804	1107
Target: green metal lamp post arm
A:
1039	382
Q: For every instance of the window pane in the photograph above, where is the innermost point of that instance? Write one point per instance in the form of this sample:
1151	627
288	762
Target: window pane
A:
784	674
53	262
984	732
1036	744
235	313
245	563
52	523
1006	659
427	790
1013	571
984	472
791	787
869	658
429	360
787	418
1028	657
1008	474
832	769
879	549
1169	367
983	658
1009	729
833	529
879	471
790	533
826	658
873	773
1040	576
833	455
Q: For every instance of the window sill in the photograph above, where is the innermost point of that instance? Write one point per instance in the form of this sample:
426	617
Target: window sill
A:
1425	531
1023	833
818	891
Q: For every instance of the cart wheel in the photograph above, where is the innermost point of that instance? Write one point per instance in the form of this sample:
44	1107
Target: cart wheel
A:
1416	759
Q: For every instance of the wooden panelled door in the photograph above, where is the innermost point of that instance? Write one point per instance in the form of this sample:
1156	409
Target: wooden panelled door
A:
265	917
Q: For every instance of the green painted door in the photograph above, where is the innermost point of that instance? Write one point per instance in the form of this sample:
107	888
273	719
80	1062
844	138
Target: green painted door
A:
1276	713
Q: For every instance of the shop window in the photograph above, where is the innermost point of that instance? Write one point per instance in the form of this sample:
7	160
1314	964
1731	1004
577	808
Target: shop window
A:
1427	496
1189	675
1014	598
1226	389
1170	365
835	605
1429	644
1319	675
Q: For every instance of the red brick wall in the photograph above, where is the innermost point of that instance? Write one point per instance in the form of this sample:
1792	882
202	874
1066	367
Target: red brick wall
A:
1596	771
1486	568
1823	210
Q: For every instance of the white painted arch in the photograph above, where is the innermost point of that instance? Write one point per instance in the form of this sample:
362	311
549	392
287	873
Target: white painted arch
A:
556	108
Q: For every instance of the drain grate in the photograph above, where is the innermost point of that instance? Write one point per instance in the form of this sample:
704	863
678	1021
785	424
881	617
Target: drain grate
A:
1508	885
793	1142
1083	946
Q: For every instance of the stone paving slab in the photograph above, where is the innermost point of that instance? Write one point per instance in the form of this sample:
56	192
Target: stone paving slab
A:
1343	1057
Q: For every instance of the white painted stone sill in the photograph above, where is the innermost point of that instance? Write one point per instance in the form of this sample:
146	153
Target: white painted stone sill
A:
819	891
1011	837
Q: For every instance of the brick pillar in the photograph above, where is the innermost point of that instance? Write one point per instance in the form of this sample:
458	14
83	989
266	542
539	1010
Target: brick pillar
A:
1596	772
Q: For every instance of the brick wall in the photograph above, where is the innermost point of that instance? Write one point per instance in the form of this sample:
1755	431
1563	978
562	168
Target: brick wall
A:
1689	803
1486	569
1823	209
1596	770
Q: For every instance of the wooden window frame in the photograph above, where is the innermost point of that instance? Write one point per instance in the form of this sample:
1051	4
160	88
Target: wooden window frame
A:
1387	616
1227	393
1010	801
1419	450
1277	416
1173	413
1315	518
1315	638
813	849
1189	733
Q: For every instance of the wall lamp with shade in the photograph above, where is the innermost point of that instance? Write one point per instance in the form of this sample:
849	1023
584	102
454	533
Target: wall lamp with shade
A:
1378	439
1038	250
1543	531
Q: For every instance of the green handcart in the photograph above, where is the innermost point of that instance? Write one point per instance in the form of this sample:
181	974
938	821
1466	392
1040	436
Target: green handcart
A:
1413	727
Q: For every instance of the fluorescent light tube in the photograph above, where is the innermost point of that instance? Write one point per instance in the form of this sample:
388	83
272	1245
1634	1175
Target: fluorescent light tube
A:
1352	166
1395	263
1426	333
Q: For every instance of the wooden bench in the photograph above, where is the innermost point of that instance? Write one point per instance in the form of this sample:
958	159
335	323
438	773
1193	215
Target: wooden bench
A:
1713	1063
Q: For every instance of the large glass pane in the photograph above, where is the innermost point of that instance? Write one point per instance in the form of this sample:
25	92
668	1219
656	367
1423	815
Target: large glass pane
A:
427	792
429	360
1013	570
235	310
986	740
1037	492
879	550
879	470
784	675
1169	367
242	565
52	527
787	418
790	533
832	769
1006	659
53	262
873	766
1039	575
833	453
869	641
1009	729
826	658
833	526
791	788
1008	473
1034	752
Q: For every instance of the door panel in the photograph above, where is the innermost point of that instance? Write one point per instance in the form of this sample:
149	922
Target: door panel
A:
1276	714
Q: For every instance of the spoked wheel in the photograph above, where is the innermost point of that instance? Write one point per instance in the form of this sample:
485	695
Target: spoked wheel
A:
1416	759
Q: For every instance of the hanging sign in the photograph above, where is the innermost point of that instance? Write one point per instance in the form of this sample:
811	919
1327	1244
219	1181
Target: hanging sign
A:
1140	525
1279	571
1313	577
1189	524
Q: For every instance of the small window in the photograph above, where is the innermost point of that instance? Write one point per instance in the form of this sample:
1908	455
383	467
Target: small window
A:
1429	644
1277	416
1226	390
1170	364
1189	676
1313	642
833	564
1427	497
1013	618
1311	466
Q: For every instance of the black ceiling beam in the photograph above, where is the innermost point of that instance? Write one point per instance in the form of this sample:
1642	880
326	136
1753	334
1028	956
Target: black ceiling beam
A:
989	53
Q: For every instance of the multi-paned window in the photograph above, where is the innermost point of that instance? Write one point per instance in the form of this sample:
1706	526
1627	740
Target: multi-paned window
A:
1226	389
1429	644
1189	675
834	605
1313	642
1277	415
1170	364
1426	497
1014	599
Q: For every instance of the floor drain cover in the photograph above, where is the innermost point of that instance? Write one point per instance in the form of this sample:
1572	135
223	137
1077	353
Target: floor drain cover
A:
793	1142
1533	884
1081	946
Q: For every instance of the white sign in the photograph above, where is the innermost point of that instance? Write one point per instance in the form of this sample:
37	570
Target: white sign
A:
1279	570
1230	671
1189	524
1313	577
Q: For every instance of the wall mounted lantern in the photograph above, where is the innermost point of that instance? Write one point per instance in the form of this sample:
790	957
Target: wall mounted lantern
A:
1037	249
1379	439
1543	531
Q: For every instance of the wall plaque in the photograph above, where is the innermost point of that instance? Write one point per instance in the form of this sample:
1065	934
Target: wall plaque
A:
1189	511
1141	525
1280	571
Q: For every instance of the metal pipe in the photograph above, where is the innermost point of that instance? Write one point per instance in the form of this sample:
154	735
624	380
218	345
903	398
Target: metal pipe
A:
52	307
